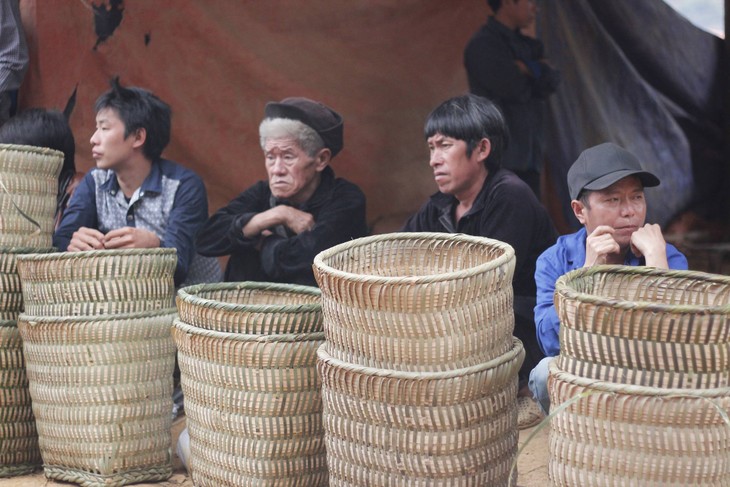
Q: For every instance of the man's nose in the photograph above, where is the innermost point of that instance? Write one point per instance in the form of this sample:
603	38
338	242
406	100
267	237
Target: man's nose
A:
434	158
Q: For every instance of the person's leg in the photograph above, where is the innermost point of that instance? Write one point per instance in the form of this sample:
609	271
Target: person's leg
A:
538	384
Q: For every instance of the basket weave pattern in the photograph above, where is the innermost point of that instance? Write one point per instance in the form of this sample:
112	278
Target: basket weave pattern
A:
637	436
100	378
419	370
646	352
417	301
454	428
29	177
247	355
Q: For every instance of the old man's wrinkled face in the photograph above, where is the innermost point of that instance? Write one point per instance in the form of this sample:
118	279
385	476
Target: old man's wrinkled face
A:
293	174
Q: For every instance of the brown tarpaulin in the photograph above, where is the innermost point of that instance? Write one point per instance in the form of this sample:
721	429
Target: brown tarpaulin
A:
382	64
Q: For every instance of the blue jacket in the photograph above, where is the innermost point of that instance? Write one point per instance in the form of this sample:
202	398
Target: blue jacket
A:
569	253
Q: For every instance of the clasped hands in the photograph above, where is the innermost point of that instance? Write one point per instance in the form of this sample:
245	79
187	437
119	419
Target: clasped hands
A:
121	238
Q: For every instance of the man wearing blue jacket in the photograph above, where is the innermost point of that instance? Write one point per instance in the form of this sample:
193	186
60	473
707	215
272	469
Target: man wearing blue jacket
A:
606	185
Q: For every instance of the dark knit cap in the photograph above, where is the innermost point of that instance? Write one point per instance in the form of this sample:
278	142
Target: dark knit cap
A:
602	165
325	121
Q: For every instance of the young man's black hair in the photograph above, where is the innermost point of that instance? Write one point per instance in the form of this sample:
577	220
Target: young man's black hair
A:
139	109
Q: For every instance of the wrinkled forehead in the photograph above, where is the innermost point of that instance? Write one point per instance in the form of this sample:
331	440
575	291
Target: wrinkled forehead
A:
282	144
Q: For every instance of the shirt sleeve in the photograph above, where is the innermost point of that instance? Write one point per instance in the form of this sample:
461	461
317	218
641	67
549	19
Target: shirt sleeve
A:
222	234
676	259
189	212
422	220
81	212
342	218
547	272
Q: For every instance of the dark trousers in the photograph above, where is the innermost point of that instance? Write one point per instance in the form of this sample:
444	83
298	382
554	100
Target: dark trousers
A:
525	330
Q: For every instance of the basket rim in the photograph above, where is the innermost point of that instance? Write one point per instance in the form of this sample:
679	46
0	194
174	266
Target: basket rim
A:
632	389
94	318
514	352
164	251
563	288
187	295
508	254
248	337
9	249
32	148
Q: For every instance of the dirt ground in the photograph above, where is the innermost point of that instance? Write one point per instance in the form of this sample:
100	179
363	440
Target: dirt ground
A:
531	465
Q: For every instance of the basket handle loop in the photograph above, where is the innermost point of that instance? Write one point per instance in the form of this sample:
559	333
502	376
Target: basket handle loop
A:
23	214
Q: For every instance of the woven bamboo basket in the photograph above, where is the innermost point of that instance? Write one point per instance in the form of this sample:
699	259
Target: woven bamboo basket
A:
28	189
253	407
456	428
98	282
11	295
645	326
101	390
417	301
627	435
254	308
19	452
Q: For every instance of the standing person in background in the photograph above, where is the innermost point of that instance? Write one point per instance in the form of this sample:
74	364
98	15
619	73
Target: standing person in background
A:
275	228
510	69
13	57
476	196
134	198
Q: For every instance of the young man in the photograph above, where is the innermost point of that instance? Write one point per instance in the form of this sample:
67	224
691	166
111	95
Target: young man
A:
466	137
510	68
606	184
274	229
134	198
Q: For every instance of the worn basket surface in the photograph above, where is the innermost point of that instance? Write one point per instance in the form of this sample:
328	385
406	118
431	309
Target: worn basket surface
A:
11	295
19	452
627	435
29	182
251	307
102	395
253	407
98	282
417	301
645	326
430	428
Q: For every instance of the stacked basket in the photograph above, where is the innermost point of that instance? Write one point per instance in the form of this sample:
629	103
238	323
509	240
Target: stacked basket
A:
645	357
419	370
28	187
247	354
99	356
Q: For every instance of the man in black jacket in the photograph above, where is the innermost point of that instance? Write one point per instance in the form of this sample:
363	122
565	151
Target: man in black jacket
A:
476	196
273	230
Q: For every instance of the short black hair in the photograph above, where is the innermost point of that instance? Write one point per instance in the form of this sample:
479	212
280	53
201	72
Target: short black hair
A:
471	118
138	109
495	5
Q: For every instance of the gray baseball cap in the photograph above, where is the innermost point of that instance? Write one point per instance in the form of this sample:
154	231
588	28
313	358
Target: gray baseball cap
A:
602	165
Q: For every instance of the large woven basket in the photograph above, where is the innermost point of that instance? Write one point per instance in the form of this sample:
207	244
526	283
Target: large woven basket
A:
98	282
28	189
248	370
11	295
253	407
417	301
102	395
255	308
625	435
645	326
456	428
19	452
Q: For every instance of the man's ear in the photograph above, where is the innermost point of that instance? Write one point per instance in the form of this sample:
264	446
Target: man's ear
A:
483	149
322	159
140	137
579	210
